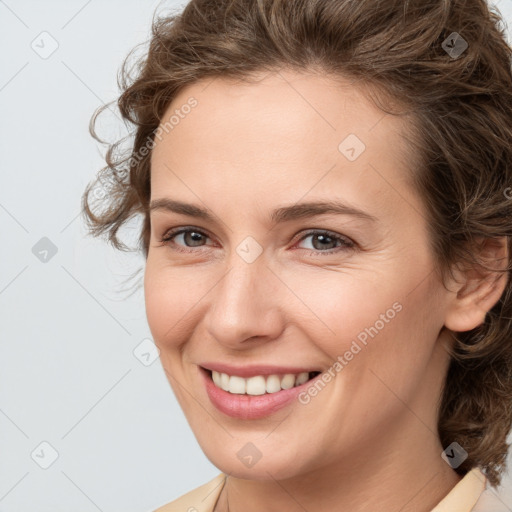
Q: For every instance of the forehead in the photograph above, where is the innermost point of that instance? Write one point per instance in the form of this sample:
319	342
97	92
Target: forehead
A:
294	106
287	131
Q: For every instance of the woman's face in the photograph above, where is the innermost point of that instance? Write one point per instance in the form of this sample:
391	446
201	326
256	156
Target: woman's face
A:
261	284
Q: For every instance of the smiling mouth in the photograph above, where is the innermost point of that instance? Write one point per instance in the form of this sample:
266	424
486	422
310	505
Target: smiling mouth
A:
259	384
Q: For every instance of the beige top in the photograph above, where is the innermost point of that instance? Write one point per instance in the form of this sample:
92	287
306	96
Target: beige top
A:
470	494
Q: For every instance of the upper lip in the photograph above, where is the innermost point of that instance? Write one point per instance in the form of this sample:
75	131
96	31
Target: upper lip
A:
255	369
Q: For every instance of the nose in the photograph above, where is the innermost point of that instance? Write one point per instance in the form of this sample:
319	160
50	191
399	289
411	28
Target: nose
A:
246	306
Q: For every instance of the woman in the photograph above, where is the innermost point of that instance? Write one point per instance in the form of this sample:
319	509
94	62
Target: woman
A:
325	188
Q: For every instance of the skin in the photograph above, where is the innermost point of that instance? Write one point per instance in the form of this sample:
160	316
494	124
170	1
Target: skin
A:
243	151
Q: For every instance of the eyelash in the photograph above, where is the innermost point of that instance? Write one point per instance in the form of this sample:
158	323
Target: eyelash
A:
345	243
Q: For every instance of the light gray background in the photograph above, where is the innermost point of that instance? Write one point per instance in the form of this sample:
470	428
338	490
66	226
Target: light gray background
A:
69	376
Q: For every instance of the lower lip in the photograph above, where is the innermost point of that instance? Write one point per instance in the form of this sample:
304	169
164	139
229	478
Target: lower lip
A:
250	407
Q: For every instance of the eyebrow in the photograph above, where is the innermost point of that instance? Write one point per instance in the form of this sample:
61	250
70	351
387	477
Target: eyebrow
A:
283	214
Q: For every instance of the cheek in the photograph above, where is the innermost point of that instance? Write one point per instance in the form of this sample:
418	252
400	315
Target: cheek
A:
171	299
342	306
371	320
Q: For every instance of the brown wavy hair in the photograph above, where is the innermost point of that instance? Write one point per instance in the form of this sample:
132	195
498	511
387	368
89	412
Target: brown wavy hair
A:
460	109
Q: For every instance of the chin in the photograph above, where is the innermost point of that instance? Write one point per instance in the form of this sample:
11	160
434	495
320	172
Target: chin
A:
236	462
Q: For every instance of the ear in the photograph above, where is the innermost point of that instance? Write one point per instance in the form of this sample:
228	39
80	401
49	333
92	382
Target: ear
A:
476	290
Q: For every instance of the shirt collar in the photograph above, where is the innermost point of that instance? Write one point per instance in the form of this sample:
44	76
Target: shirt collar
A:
464	496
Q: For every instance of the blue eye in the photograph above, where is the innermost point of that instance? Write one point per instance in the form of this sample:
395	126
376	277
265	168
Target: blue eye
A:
192	236
323	242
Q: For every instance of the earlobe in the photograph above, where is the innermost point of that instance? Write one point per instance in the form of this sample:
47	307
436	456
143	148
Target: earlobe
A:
476	291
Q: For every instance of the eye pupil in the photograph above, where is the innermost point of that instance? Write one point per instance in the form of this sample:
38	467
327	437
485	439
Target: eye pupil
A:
193	236
323	239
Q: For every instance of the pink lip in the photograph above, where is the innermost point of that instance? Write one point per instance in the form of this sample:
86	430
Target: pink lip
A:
250	407
258	369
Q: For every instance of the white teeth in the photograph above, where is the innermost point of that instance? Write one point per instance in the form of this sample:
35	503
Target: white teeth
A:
301	378
216	379
288	381
258	385
237	385
273	384
224	381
